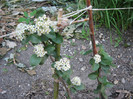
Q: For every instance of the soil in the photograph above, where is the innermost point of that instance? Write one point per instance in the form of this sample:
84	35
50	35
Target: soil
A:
18	85
15	84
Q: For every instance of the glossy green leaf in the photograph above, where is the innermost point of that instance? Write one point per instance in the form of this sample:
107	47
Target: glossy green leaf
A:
26	40
49	49
43	59
35	38
103	79
93	75
34	60
92	61
21	20
109	85
33	13
87	52
25	14
81	87
51	35
58	39
95	67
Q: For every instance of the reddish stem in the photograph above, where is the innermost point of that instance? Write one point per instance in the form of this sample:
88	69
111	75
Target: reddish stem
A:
91	26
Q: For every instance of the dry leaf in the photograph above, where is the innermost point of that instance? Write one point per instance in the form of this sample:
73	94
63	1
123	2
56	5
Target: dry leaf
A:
12	23
31	72
3	51
10	44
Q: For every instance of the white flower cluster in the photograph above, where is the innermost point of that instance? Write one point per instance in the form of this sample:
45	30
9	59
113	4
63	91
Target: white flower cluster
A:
39	50
43	25
20	30
97	58
76	81
63	64
31	28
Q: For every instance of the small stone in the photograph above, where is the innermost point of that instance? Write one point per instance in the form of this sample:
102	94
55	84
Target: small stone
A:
118	66
3	92
81	59
83	68
114	74
108	93
116	82
50	89
83	47
73	40
79	95
123	80
78	49
62	92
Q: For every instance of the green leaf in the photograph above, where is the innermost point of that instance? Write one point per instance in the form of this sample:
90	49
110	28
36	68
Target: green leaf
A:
87	52
98	89
27	21
21	20
109	85
113	65
39	12
66	74
43	59
25	14
72	89
51	35
81	87
93	75
33	13
103	79
49	49
34	60
26	40
58	39
92	61
35	39
95	67
43	38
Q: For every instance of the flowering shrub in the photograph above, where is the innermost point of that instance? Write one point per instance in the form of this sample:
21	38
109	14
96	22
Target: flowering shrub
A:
101	62
46	39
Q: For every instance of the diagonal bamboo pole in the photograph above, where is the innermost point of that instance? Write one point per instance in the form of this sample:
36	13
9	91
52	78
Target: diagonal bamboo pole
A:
91	26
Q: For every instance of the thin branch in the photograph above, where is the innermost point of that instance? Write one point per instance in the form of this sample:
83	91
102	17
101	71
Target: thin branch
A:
67	89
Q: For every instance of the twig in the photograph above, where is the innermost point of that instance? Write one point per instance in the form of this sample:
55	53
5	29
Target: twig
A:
67	89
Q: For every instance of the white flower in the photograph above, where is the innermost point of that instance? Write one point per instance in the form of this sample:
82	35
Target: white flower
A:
31	29
20	30
90	44
97	58
76	81
39	50
43	25
63	64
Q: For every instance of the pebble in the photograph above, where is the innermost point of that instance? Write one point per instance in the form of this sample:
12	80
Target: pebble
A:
81	59
78	49
123	80
83	47
73	40
83	68
50	89
79	95
3	92
116	82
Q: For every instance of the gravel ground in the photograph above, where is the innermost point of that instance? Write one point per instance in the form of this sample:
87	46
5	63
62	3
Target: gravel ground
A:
15	84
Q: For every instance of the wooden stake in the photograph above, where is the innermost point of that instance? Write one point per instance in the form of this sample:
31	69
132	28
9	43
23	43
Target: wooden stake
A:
91	26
